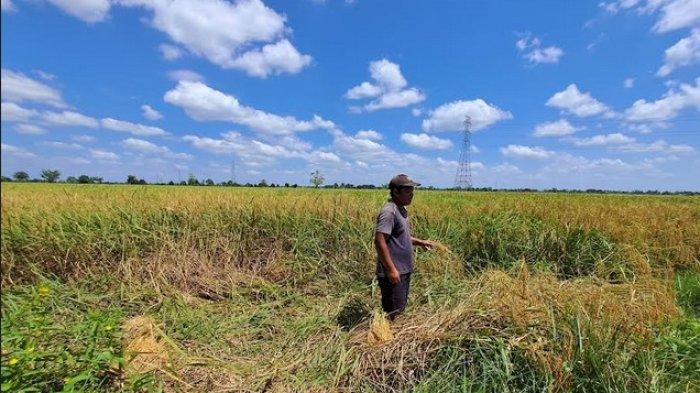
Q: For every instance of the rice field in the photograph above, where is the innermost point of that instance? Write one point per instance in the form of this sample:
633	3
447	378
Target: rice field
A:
158	288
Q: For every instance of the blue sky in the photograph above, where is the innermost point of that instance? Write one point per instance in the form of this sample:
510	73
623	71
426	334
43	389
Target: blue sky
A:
561	94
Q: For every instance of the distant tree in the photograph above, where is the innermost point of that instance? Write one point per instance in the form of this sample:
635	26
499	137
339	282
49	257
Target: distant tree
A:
96	179
171	183
183	183
84	179
132	179
209	182
192	180
317	178
263	183
71	179
5	178
141	181
50	176
21	176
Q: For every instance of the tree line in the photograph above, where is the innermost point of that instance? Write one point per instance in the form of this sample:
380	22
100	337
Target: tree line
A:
316	180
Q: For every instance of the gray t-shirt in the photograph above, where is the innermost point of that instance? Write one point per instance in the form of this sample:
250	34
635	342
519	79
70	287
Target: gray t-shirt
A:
393	221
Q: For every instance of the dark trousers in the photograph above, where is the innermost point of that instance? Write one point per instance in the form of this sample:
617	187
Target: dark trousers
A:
394	297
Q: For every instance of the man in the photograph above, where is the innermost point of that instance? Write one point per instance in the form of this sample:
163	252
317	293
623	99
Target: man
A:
394	244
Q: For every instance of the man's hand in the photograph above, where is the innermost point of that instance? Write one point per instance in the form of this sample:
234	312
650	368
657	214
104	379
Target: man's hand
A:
424	243
394	276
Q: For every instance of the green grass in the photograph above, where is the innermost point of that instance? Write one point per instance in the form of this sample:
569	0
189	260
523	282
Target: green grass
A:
262	288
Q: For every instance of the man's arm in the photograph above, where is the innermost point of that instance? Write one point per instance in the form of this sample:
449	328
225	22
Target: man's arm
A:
422	243
385	258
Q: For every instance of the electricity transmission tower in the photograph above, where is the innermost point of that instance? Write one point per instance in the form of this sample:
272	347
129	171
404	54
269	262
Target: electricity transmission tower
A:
463	178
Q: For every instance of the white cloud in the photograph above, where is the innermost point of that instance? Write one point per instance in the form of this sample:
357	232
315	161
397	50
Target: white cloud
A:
90	11
256	153
202	103
150	113
7	6
685	52
526	152
389	89
369	134
660	146
16	151
278	58
425	141
69	119
363	90
30	129
62	145
450	116
185	75
580	104
9	111
17	87
396	99
416	112
628	83
603	139
536	54
103	155
554	128
223	33
667	107
675	14
170	52
146	147
132	128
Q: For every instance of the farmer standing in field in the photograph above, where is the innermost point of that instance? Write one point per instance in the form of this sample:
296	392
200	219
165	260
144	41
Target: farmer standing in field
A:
394	244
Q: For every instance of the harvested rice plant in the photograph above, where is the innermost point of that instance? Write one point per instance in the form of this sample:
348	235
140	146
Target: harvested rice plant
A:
157	288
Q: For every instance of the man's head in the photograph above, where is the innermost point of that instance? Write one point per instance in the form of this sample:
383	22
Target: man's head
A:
401	189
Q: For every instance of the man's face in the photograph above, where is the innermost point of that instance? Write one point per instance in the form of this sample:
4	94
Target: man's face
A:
404	195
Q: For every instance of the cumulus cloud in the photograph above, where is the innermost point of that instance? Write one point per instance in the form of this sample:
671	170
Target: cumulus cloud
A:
520	151
450	116
62	145
202	103
16	87
536	54
277	58
150	113
603	139
668	106
369	134
132	128
15	151
103	155
30	129
146	147
170	52
257	153
185	75
90	11
225	33
628	83
560	127
69	119
388	89
13	112
683	53
674	14
572	100
83	138
660	146
425	141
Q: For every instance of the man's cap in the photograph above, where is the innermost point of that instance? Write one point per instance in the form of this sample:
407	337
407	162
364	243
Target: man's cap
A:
402	181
